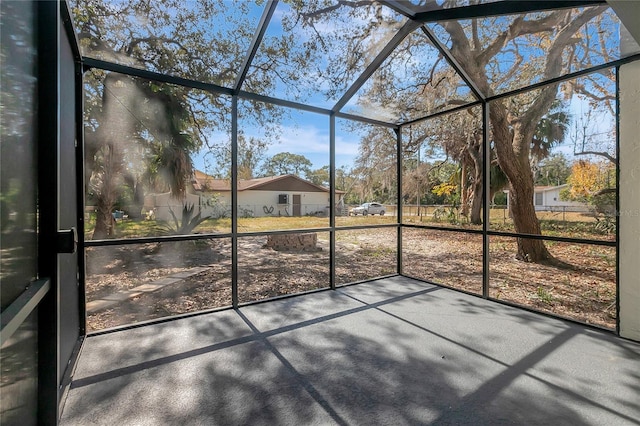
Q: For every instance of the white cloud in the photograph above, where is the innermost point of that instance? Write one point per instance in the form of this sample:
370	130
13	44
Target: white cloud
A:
302	140
347	146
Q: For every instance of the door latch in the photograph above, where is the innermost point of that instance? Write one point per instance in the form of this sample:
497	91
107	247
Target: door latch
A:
67	240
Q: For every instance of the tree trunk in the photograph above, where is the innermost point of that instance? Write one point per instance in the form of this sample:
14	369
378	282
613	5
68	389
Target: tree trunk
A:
135	208
109	157
464	192
476	200
475	152
526	221
104	220
512	148
138	202
106	194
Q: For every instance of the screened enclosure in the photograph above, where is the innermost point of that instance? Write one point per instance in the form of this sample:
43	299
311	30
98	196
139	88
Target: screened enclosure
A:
488	135
230	153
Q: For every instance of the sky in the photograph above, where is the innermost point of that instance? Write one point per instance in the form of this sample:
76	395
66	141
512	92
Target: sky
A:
306	134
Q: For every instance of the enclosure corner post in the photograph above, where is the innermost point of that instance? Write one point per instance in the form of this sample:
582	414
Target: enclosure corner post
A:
486	197
234	201
332	198
398	131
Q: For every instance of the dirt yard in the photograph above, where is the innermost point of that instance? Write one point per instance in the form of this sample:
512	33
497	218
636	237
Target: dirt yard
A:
194	276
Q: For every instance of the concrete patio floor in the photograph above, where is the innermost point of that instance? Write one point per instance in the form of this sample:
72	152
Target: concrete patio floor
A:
389	352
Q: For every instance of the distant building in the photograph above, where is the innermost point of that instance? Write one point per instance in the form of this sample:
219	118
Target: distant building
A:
286	195
547	198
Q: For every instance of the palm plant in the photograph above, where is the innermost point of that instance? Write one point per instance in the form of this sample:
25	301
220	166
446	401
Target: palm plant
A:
188	222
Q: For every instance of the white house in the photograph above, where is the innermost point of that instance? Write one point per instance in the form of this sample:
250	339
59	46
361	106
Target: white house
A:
547	198
286	195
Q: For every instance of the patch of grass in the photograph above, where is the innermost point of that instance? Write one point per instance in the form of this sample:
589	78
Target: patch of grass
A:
152	228
377	252
145	228
259	224
608	257
544	296
132	228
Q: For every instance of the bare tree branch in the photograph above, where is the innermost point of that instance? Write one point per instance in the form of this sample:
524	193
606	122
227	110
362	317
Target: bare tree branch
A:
518	28
553	66
605	191
599	153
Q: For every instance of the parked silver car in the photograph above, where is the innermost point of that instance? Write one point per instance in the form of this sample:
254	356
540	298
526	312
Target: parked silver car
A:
367	208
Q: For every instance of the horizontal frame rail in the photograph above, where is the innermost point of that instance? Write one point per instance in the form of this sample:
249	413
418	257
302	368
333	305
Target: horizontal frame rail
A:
158	239
89	63
517	235
553	238
565	77
191	237
507	7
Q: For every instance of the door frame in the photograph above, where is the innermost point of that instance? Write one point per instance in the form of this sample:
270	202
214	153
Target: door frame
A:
58	347
296	208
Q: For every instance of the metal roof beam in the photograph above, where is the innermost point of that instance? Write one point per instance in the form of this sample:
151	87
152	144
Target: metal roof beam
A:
89	63
366	120
440	113
407	28
454	63
399	6
282	102
255	43
507	7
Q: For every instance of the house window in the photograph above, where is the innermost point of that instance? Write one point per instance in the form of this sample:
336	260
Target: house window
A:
538	199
